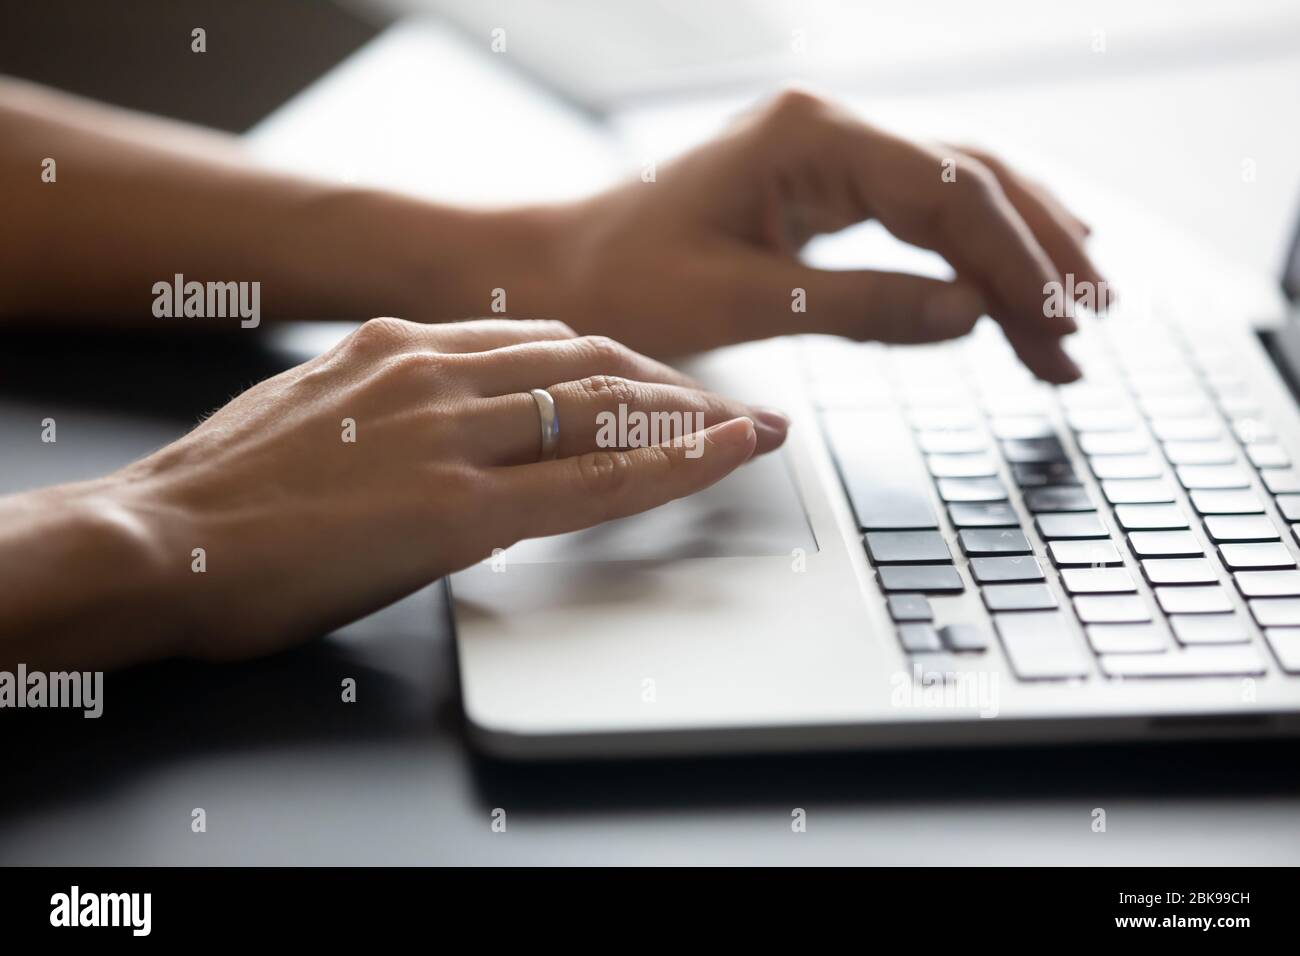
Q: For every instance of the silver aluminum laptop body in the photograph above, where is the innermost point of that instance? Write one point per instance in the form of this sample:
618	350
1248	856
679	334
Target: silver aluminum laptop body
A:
754	617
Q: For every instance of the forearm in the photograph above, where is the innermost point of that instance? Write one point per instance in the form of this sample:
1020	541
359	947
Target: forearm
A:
136	201
84	583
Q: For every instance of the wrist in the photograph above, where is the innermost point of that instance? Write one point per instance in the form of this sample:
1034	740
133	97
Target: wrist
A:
434	263
87	579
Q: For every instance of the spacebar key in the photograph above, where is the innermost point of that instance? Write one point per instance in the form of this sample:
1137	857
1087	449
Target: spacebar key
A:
1040	646
881	469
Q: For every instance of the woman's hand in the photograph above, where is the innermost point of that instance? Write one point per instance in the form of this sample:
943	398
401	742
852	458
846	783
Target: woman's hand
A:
407	452
706	254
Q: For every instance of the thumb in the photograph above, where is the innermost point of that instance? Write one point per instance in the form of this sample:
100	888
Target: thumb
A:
865	304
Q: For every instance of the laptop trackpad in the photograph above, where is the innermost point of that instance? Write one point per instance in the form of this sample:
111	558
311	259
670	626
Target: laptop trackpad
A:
754	512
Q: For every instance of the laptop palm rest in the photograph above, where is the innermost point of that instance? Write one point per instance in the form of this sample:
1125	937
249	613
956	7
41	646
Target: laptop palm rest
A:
754	512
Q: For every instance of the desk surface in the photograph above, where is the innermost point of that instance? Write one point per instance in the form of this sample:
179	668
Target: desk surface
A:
288	773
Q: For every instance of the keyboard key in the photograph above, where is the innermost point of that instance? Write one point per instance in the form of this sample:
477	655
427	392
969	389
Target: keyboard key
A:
1021	427
1163	381
1040	646
1023	451
1090	394
1179	571
971	489
1043	473
904	547
1135	638
1276	612
1097	580
1226	502
1018	597
909	607
1194	600
1015	568
1271	554
1095	554
1126	466
919	638
1209	629
1111	609
1086	524
1150	517
1268	456
957	441
1101	419
996	514
1113	443
981	541
961	466
1239	406
1227	661
1057	498
1174	406
1240	528
1150	491
1165	544
1254	584
964	638
1213	476
1289	505
1281	481
1186	429
923	578
1250	430
1285	642
1200	453
881	471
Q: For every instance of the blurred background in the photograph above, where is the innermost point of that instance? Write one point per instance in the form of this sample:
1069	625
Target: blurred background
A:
1185	107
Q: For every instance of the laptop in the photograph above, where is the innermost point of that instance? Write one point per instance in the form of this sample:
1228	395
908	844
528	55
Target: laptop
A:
946	552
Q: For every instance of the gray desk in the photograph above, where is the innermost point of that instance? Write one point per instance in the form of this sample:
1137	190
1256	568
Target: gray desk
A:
287	773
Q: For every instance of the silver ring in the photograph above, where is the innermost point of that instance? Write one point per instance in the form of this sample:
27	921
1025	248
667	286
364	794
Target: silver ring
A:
550	423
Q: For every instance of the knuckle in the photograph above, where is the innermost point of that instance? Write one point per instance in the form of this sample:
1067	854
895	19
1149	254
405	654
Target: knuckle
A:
979	184
795	103
605	351
603	473
608	389
380	334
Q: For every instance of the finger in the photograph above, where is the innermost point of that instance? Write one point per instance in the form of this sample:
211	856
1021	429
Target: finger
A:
569	494
606	412
859	304
518	368
1059	232
888	307
481	335
970	221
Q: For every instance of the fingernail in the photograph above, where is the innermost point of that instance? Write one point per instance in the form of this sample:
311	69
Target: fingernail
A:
735	433
771	418
955	307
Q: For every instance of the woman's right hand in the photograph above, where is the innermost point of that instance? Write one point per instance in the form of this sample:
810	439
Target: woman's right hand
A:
302	530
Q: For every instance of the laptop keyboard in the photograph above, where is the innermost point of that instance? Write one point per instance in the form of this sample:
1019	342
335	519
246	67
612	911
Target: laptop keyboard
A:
1149	508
